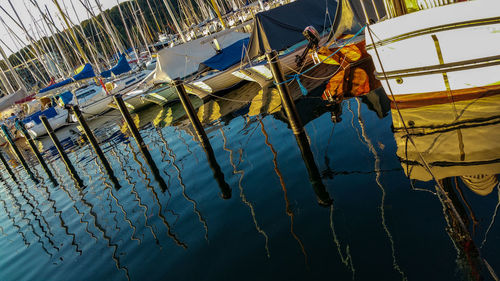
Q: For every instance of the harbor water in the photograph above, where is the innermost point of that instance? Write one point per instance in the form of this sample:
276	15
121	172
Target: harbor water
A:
352	201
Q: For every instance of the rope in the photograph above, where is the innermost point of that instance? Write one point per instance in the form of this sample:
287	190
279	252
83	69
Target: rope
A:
297	75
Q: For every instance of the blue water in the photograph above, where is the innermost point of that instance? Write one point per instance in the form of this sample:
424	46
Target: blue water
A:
381	225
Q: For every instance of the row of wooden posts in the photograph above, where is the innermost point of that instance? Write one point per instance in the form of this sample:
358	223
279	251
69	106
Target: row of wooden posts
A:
287	102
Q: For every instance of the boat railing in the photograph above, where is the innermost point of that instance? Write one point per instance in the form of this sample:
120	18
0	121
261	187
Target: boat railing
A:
396	8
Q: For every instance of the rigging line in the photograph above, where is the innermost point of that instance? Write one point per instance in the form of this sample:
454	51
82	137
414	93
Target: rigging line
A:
426	165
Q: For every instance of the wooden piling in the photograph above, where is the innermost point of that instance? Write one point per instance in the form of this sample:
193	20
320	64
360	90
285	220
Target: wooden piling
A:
95	145
190	111
60	150
140	142
34	149
17	152
202	137
298	130
286	99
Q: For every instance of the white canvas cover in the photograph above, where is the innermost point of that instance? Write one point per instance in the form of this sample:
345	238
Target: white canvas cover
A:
184	59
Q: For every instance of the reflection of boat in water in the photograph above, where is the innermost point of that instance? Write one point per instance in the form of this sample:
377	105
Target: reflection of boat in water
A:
422	50
458	143
455	139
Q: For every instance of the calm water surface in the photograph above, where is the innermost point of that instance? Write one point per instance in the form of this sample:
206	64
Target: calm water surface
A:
256	211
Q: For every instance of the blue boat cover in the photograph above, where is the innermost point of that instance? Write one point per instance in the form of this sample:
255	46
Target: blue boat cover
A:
86	72
228	56
121	66
35	117
65	97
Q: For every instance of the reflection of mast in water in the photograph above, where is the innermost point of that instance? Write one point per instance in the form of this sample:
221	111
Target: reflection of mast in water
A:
16	204
186	144
62	222
97	225
347	260
242	194
288	209
181	182
14	224
132	226
60	179
492	218
139	200
372	149
157	200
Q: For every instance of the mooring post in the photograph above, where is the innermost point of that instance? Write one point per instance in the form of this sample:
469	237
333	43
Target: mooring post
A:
286	99
60	150
7	167
203	138
298	130
191	113
140	142
32	145
93	142
17	152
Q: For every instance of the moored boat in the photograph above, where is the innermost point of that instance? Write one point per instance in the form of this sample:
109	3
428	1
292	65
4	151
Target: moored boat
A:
437	49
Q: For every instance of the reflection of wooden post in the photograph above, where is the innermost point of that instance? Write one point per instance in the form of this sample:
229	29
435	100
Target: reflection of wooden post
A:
38	155
140	142
313	171
286	99
61	151
18	154
93	142
202	137
6	165
218	174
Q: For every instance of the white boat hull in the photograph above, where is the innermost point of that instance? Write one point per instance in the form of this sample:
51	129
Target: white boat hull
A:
443	49
56	122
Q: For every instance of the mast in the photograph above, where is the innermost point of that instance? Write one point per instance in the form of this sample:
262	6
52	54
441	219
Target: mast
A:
179	30
85	59
214	4
10	32
34	45
154	17
126	30
144	21
5	82
139	27
108	28
56	40
82	33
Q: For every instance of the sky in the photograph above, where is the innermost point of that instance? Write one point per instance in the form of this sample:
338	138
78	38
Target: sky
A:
24	14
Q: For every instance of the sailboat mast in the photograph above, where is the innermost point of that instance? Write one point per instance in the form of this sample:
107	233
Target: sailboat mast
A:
174	20
84	56
154	17
127	31
108	27
141	31
216	8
